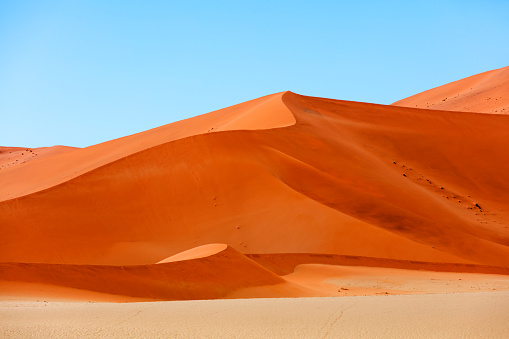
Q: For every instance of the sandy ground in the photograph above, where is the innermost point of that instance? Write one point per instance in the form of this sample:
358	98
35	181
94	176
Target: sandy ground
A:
332	280
460	315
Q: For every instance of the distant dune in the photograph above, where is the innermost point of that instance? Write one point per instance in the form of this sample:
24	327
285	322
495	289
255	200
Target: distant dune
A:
484	93
14	156
281	196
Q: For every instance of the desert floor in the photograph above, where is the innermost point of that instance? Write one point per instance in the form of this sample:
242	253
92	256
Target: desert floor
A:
458	315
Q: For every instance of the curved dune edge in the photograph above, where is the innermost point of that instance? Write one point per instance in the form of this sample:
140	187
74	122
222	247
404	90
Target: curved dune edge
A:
268	112
196	253
212	277
481	93
285	263
228	274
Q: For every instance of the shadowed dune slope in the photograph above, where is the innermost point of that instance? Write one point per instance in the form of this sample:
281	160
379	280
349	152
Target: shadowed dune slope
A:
334	177
285	263
210	277
216	271
486	92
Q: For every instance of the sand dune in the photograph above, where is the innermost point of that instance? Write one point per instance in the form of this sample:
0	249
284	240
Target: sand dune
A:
281	196
216	271
485	92
286	263
265	112
217	275
348	178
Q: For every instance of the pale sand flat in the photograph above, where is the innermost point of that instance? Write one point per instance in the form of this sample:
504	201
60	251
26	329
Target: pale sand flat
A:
460	315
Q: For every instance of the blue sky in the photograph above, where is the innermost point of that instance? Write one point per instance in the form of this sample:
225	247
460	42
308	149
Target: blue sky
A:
82	72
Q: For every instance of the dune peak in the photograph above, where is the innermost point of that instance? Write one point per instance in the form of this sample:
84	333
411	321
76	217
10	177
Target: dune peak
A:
195	253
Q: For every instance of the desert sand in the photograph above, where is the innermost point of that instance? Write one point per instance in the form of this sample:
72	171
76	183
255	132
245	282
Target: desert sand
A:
284	196
470	315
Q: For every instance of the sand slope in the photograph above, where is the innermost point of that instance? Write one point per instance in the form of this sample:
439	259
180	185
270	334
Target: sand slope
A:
212	276
280	181
485	92
216	271
265	112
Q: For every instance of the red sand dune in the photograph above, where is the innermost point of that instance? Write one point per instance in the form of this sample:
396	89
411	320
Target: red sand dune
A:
265	112
485	92
285	263
210	276
217	271
280	174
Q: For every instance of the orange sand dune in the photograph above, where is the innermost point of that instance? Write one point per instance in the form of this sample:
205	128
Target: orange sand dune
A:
208	277
216	271
486	92
285	263
265	112
327	176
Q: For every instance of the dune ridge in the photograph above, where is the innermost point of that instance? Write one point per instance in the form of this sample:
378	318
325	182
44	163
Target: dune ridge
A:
262	113
195	253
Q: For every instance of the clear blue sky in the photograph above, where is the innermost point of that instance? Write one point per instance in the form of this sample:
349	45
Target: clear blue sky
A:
82	72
